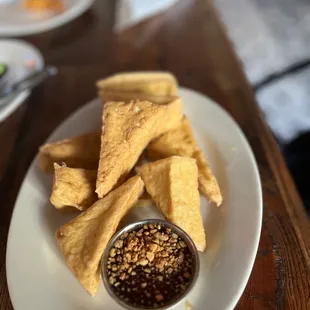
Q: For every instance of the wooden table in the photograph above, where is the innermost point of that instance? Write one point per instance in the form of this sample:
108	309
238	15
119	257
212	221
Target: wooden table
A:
190	41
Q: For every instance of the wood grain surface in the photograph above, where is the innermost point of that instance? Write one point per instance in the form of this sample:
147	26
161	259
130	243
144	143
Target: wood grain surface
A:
190	41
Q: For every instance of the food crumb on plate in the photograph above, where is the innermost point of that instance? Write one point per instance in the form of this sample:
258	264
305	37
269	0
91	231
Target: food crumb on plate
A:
189	306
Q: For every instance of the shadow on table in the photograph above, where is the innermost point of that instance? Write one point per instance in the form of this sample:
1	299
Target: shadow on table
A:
297	155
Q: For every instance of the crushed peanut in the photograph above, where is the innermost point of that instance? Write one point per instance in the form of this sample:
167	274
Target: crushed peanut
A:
149	267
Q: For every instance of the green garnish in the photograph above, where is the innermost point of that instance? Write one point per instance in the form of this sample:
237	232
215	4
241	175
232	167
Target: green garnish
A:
3	69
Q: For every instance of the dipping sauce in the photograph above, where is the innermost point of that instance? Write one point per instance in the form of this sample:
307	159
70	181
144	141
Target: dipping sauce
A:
149	267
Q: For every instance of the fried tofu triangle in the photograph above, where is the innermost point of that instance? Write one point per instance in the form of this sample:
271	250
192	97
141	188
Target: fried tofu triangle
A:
110	95
133	85
128	129
73	188
181	141
173	185
77	152
83	240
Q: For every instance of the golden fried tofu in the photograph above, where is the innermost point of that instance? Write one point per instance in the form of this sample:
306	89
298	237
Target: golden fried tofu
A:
73	188
173	185
77	152
128	129
136	85
181	142
83	240
111	95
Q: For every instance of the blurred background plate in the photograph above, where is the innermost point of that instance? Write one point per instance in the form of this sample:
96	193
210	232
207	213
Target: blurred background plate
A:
17	54
16	21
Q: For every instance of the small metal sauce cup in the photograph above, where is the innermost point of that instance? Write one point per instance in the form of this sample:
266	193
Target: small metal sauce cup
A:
136	226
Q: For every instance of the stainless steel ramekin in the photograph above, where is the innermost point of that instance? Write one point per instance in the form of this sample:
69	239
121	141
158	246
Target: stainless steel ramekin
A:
136	226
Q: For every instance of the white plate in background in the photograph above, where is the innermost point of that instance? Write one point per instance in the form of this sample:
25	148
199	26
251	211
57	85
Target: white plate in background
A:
16	21
37	275
16	53
131	12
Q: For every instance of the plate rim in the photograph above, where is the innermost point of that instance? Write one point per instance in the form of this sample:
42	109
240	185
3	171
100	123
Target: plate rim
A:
246	275
54	22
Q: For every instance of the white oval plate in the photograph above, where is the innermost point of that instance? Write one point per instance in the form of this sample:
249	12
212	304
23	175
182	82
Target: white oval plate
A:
37	275
16	21
15	53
